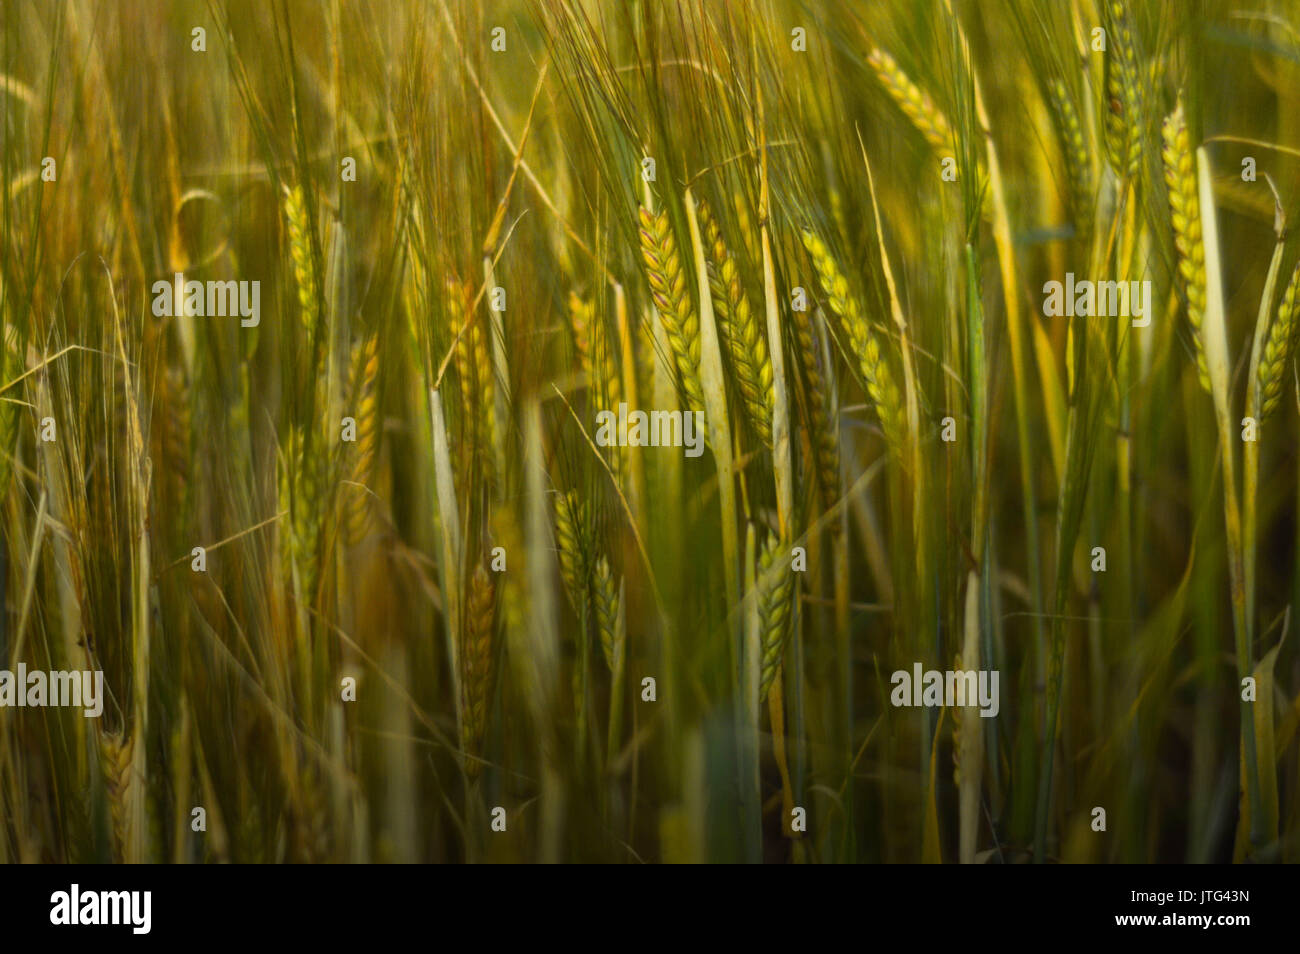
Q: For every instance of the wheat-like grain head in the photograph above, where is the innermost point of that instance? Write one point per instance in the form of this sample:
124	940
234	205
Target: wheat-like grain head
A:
608	618
916	104
775	606
1180	176
881	387
364	397
667	277
571	522
1074	147
1123	118
477	659
746	340
1278	348
300	255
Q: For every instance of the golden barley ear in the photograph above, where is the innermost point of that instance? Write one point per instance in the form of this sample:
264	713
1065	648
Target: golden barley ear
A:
364	400
1181	178
746	340
300	255
571	521
916	104
864	342
301	493
477	660
667	278
116	754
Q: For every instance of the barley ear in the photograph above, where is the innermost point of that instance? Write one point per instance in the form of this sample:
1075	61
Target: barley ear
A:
865	343
477	658
300	255
916	105
775	584
571	516
1074	148
666	275
746	342
363	394
609	621
1278	348
1180	177
1123	118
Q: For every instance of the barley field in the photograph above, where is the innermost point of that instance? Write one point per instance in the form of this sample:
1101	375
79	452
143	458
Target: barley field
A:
639	431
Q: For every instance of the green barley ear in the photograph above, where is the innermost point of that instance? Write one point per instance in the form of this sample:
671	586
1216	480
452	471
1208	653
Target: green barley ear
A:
1184	203
824	434
881	387
1123	117
364	397
1278	348
1074	147
573	540
775	584
745	339
609	621
477	661
667	278
571	521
